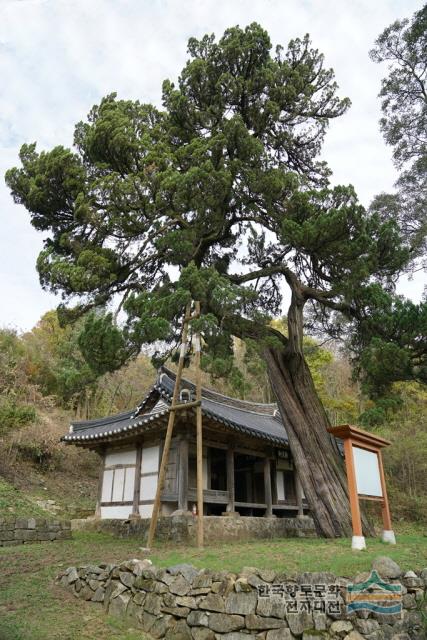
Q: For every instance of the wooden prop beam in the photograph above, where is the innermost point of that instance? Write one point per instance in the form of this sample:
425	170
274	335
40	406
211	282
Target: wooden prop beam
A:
169	431
199	433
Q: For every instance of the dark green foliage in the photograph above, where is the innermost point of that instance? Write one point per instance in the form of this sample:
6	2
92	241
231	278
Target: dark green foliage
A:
102	343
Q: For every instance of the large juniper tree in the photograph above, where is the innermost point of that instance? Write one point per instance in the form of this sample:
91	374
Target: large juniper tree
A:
220	197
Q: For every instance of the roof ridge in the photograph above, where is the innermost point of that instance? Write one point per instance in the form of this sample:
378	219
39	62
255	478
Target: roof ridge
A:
171	374
257	413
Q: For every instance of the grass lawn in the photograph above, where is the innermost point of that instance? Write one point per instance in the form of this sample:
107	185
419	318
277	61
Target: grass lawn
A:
33	607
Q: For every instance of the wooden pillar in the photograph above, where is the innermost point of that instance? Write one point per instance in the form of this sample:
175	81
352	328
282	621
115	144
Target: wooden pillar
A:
358	541
183	475
230	479
137	483
100	482
385	507
267	487
274	483
298	493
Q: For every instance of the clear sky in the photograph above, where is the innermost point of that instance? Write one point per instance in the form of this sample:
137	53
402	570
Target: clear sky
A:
59	57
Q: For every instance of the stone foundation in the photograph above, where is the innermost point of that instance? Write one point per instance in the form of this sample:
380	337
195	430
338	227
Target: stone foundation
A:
182	529
21	530
184	603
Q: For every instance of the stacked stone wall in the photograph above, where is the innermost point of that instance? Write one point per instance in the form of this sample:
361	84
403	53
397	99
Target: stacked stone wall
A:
185	603
14	531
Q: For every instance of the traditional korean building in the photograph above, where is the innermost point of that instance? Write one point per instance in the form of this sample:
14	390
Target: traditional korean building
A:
247	463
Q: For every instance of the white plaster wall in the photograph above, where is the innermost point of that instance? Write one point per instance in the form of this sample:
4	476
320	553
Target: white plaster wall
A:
118	485
107	484
129	484
150	459
148	487
125	456
121	513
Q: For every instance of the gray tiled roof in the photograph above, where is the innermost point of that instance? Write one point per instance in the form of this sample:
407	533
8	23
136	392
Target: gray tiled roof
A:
255	419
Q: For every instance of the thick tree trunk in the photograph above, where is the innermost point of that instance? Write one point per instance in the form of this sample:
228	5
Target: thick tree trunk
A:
316	455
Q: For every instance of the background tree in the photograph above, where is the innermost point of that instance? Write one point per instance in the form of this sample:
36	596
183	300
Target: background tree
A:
17	394
390	343
403	46
219	197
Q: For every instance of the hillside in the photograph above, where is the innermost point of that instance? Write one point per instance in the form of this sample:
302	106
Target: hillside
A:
40	476
45	383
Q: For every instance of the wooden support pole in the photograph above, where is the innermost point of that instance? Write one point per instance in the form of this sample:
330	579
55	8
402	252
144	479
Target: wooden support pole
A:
137	482
169	431
199	427
230	479
267	488
183	475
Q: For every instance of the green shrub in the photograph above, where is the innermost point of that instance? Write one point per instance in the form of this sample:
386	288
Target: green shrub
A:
14	415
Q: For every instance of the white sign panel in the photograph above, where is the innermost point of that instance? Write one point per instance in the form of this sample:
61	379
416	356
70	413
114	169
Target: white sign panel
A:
367	470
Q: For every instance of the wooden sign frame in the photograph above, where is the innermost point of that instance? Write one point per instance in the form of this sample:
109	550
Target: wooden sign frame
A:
354	437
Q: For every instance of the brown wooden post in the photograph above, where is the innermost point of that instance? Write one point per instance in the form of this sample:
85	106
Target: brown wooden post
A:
298	493
358	541
388	534
169	430
137	483
230	479
183	475
267	487
274	483
100	483
199	427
